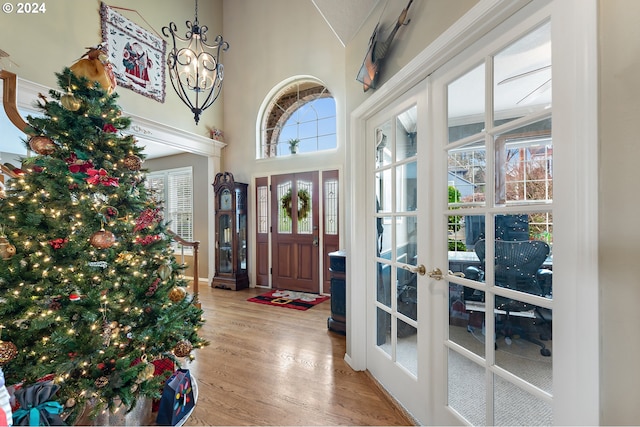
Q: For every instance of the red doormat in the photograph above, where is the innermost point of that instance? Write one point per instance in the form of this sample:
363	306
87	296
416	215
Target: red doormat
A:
289	299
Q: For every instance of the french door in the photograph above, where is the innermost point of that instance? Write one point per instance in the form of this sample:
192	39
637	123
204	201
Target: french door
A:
460	168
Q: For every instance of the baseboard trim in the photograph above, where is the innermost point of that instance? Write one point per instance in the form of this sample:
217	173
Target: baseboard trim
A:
397	407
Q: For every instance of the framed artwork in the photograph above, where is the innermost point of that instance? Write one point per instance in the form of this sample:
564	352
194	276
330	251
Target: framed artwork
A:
136	55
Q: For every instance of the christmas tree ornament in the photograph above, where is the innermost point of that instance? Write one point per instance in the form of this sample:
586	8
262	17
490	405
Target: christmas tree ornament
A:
74	296
147	371
177	294
96	68
102	239
7	250
70	102
164	271
8	351
183	348
70	403
132	162
42	145
101	382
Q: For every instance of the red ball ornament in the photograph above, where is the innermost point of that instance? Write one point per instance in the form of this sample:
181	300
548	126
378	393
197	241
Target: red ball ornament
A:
42	145
102	239
74	296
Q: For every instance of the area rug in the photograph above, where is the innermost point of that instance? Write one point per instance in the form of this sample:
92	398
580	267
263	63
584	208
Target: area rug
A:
289	299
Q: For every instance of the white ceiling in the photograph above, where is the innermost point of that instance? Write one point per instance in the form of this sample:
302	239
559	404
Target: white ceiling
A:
345	17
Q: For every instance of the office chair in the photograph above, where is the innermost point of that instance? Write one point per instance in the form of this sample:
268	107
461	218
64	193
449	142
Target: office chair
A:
519	266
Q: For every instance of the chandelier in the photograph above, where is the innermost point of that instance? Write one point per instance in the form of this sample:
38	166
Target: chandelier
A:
195	70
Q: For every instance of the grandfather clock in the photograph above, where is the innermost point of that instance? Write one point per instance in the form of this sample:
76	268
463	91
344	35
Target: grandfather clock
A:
231	233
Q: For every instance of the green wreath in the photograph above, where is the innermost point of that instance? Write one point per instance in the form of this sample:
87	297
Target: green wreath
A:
304	204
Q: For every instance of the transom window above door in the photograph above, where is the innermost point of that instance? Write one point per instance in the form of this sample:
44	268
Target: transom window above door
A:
299	118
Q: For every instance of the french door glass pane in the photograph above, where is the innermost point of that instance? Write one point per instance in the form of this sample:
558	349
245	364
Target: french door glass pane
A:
384	150
384	190
523	341
467	388
407	346
383	292
407	191
524	165
466	175
466	318
466	105
514	406
522	76
406	134
383	330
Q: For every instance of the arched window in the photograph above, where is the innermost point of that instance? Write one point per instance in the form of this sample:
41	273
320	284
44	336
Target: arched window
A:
302	111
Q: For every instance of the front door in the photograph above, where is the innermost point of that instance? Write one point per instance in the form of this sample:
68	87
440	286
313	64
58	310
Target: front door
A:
295	232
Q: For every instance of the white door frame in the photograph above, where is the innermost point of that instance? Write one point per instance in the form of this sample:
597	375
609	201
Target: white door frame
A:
574	38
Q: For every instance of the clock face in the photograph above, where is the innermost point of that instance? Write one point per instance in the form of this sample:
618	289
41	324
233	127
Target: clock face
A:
225	200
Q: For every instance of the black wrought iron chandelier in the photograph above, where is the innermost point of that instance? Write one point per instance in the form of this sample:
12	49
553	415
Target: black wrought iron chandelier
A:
195	70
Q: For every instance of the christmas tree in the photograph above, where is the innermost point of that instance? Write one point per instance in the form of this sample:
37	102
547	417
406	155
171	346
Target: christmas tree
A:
90	291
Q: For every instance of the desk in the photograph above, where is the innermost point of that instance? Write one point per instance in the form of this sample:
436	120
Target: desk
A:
459	261
471	306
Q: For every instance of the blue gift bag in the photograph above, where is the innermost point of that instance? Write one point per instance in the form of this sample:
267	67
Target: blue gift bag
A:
177	398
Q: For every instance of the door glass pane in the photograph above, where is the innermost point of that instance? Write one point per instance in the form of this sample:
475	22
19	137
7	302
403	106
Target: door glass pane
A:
331	207
407	347
465	104
406	134
383	292
384	191
263	209
407	293
514	406
383	145
524	165
522	76
466	318
467	388
407	191
466	175
305	207
383	329
523	341
286	208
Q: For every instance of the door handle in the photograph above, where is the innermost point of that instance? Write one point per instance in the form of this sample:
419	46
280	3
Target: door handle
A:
436	274
315	242
420	269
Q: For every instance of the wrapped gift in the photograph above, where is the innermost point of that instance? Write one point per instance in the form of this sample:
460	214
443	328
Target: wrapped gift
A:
164	367
36	407
6	418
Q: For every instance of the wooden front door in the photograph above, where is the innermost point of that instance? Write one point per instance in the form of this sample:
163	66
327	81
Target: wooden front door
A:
295	242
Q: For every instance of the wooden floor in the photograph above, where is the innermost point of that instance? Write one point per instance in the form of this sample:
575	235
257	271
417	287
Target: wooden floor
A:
268	365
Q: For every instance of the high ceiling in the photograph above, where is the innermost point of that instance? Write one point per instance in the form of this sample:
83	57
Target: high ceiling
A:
345	17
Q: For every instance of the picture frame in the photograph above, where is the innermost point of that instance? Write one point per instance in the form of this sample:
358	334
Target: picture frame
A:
137	56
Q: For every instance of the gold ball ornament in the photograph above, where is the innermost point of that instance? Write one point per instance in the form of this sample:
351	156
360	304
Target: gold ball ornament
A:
70	403
42	145
102	239
7	250
132	162
70	102
8	351
183	348
177	294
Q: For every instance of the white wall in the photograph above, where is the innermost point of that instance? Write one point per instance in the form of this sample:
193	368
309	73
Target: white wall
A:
43	44
619	203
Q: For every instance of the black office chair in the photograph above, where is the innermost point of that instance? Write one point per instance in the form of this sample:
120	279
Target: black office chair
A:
519	266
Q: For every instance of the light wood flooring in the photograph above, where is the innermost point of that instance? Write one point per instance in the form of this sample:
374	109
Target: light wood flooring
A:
268	365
